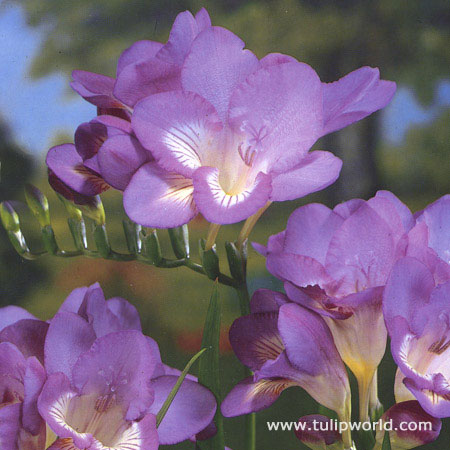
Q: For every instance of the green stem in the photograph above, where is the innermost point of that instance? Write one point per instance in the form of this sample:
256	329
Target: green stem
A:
162	412
250	419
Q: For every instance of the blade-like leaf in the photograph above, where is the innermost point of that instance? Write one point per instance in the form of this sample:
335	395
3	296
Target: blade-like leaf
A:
164	408
209	369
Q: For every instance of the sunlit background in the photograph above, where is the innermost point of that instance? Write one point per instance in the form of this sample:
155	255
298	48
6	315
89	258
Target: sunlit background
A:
405	148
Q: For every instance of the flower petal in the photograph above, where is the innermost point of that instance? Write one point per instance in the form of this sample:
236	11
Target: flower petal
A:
9	426
139	51
183	32
191	411
159	199
143	78
354	97
255	339
437	218
121	363
362	252
126	313
67	165
266	301
119	158
280	107
273	59
249	396
11	314
53	405
180	139
301	270
203	20
95	88
310	229
34	380
68	337
219	207
215	65
315	172
28	335
408	288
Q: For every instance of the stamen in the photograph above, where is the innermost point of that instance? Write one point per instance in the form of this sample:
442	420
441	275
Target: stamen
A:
440	346
102	404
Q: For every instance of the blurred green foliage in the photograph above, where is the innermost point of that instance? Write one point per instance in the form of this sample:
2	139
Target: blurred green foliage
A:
409	40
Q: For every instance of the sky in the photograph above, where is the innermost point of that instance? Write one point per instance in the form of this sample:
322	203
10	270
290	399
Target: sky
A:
37	109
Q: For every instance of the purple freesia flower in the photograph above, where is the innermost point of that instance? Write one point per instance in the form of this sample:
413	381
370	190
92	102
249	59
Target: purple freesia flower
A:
229	132
106	153
436	217
405	422
106	381
285	345
336	262
22	376
416	308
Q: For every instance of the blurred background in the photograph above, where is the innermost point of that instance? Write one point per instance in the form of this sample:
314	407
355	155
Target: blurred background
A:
405	148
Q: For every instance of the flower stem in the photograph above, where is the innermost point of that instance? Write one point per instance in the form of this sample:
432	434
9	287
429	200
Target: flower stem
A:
250	419
364	388
249	224
212	235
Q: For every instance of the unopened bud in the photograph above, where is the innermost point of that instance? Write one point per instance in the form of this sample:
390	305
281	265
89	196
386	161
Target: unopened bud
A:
9	217
409	426
179	238
38	204
72	210
210	260
95	210
319	432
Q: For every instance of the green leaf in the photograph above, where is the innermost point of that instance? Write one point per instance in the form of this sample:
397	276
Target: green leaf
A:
386	442
166	405
209	367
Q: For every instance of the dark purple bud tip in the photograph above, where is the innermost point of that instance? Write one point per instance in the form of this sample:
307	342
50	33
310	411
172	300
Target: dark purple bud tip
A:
409	426
319	432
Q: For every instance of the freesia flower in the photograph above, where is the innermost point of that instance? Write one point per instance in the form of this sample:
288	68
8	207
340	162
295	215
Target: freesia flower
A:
286	345
416	309
21	379
409	426
228	132
336	262
106	381
106	153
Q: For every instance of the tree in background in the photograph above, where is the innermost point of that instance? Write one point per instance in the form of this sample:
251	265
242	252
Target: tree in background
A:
17	276
407	39
426	149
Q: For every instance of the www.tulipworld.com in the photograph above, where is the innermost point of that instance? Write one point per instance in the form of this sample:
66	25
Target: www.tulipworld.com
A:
335	425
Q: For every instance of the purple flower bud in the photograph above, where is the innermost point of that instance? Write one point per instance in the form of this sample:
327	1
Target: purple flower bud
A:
319	433
409	426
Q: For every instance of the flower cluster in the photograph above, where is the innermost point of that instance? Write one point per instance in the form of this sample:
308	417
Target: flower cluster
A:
90	380
352	275
201	125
